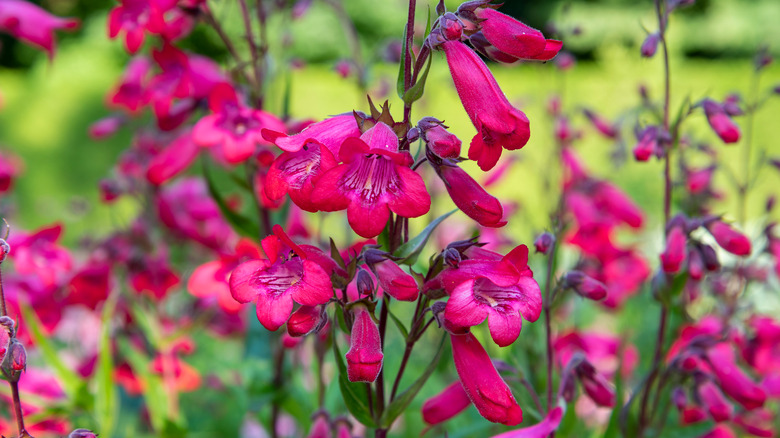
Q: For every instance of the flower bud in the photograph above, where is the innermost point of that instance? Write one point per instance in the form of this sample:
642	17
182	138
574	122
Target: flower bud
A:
730	239
544	242
17	356
451	26
585	286
452	257
445	405
105	127
720	121
82	433
470	197
305	320
364	358
674	253
679	398
650	45
647	144
709	257
442	143
695	264
5	248
595	385
391	278
365	285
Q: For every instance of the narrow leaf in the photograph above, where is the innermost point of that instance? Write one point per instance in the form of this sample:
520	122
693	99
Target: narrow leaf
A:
409	251
417	90
399	324
399	85
106	407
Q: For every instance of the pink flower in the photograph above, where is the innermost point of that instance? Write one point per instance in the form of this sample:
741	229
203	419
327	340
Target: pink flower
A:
647	145
153	276
720	431
732	380
498	123
719	408
674	253
500	289
721	123
172	160
729	239
595	385
373	180
132	17
391	278
105	127
233	128
32	24
469	196
699	180
330	132
130	93
513	38
295	173
10	167
364	358
287	276
91	284
585	286
482	383
542	429
306	320
39	254
440	142
445	405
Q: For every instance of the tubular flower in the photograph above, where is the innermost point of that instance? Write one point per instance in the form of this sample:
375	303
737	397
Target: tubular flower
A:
512	37
233	128
295	173
286	276
32	24
364	358
445	405
500	289
469	196
391	278
721	123
674	253
373	180
498	123
730	239
542	429
482	383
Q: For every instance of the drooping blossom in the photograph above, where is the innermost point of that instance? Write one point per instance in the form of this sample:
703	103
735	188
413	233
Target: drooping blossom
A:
544	243
499	124
498	288
674	252
585	286
374	180
721	123
364	358
729	239
732	380
233	128
130	92
172	160
717	405
305	320
105	127
647	144
482	383
469	196
33	25
154	276
450	402
275	283
391	278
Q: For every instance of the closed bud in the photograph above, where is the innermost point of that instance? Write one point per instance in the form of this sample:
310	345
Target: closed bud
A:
306	320
595	385
452	257
544	242
730	239
584	285
679	398
82	433
7	322
674	253
365	285
650	45
451	26
18	356
695	264
364	358
441	8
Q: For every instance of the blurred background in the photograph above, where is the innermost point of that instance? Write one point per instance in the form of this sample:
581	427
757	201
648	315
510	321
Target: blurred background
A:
47	107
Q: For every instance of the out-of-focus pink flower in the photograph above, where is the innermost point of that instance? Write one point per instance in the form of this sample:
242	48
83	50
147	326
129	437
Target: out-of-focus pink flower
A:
470	197
33	25
606	352
720	431
91	284
275	283
732	380
757	422
674	253
544	242
585	286
699	180
105	127
647	144
373	180
719	408
10	167
39	254
493	287
499	124
482	383
295	173
130	92
606	128
132	17
185	378
450	402
650	45
153	276
330	132
172	160
233	128
345	68
364	358
321	427
510	36
729	239
542	429
721	123
211	279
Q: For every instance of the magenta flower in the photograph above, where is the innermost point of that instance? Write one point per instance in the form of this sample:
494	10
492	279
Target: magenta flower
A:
512	37
330	132
585	286
153	276
172	160
440	142
130	92
33	25
469	196
482	383
132	17
647	145
674	253
721	123
501	289
306	320
295	173
391	278
373	180
650	45
233	128
716	403
602	125
450	402
364	358
287	276
732	380
729	239
498	123
542	429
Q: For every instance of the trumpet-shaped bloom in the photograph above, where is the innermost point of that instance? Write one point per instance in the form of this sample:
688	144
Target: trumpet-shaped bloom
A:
499	124
32	24
470	197
514	38
330	132
286	276
373	180
482	383
730	239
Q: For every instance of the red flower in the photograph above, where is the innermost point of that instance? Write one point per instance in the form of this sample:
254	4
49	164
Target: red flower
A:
674	253
172	160
330	132
445	405
130	92
373	180
482	383
295	173
364	358
233	128
469	196
32	24
391	278
498	123
543	429
287	276
729	239
513	37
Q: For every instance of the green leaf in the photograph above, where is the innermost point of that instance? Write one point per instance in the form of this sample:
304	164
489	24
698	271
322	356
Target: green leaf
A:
354	394
416	91
399	324
399	84
106	408
693	431
71	381
154	393
409	251
399	405
240	223
336	255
